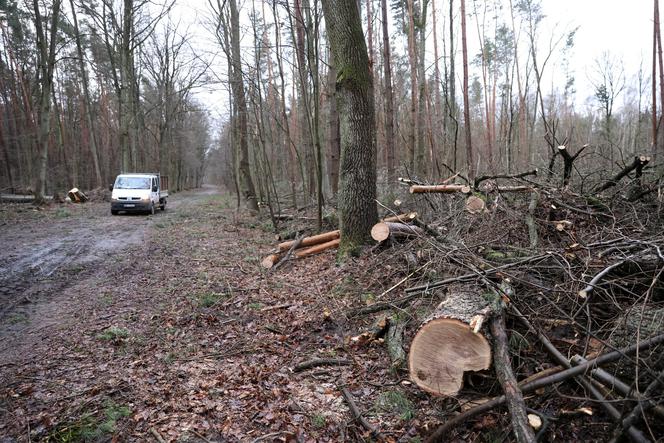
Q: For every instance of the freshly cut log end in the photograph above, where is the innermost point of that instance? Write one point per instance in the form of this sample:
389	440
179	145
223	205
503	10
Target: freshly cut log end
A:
442	350
383	230
475	205
270	260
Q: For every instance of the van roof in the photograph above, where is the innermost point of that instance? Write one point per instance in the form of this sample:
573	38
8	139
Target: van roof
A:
140	174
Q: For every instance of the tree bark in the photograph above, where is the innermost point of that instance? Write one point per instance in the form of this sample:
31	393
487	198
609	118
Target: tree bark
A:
389	100
333	129
466	102
46	57
86	99
357	199
246	182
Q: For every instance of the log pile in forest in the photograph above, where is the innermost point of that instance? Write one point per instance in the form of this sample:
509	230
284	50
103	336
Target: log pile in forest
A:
307	246
540	285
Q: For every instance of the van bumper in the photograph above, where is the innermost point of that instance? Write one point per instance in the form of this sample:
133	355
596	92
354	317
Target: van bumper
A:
132	206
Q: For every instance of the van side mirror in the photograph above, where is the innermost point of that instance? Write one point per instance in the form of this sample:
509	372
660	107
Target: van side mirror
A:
154	188
110	187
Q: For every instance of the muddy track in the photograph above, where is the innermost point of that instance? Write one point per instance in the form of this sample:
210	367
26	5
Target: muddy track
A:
43	255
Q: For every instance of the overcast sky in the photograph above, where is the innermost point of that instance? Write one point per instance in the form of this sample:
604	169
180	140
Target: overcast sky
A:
623	28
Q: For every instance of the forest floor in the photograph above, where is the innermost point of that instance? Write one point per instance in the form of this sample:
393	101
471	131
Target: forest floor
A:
167	328
140	328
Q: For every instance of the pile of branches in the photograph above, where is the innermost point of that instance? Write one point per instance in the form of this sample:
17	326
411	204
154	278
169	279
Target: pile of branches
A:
579	296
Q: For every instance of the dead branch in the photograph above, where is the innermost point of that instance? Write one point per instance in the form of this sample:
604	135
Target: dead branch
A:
503	366
316	362
446	189
355	412
443	431
479	180
473	275
638	164
640	408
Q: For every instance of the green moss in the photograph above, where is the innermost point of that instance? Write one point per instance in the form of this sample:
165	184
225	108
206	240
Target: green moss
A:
395	402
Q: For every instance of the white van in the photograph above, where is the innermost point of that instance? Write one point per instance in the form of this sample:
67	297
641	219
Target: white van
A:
140	192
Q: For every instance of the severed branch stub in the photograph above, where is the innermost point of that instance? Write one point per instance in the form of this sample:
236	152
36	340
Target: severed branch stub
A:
445	346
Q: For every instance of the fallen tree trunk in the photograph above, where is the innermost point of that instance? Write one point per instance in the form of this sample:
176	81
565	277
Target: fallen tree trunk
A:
638	164
420	189
450	343
384	230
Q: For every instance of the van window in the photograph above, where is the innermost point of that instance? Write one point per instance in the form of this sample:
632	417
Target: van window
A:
132	183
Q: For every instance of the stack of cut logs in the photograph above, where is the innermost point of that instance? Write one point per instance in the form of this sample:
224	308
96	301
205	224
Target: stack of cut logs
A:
390	226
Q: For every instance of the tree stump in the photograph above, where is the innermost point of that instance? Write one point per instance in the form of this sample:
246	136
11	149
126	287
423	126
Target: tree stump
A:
450	342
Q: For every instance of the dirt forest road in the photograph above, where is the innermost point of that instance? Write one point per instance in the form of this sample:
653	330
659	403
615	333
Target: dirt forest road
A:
167	328
43	251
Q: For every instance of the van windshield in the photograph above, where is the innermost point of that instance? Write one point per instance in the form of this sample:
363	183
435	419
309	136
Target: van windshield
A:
132	183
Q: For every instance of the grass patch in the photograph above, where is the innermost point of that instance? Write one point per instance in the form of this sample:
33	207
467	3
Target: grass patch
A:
113	334
209	299
255	306
62	213
91	428
15	319
318	421
395	402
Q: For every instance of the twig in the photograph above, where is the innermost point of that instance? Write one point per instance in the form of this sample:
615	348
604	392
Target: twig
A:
321	362
157	436
357	416
472	275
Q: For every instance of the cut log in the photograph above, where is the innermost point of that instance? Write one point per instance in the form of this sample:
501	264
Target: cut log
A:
419	189
445	346
384	230
270	260
300	253
310	241
475	205
76	196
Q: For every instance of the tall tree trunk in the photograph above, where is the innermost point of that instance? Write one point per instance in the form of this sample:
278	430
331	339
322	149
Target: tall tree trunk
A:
86	99
422	93
125	100
466	103
246	182
46	56
333	140
357	199
412	60
658	33
389	100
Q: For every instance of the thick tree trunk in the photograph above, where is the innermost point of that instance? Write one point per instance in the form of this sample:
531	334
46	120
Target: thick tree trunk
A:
86	99
333	141
357	199
246	182
46	49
